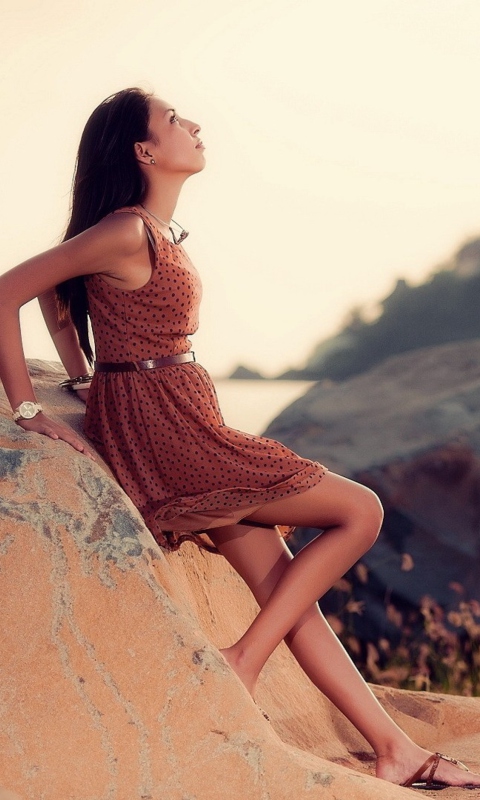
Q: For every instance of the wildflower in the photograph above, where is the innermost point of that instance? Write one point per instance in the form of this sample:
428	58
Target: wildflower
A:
361	571
407	562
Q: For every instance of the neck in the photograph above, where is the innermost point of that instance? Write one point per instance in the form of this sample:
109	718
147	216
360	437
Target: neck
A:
161	198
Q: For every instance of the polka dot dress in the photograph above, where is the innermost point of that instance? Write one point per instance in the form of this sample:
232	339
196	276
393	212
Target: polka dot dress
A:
161	430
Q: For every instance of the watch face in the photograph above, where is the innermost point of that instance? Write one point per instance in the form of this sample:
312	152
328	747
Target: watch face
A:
28	410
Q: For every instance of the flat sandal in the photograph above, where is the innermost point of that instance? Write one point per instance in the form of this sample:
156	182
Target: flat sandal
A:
429	783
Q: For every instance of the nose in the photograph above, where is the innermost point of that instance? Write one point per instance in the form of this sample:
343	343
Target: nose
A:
196	128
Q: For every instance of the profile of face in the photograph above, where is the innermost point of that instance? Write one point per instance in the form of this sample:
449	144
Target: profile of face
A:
175	145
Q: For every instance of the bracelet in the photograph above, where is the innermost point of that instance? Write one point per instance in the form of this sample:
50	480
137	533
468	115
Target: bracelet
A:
77	386
81	382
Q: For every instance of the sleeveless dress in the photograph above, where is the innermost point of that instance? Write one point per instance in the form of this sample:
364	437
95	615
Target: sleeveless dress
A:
161	430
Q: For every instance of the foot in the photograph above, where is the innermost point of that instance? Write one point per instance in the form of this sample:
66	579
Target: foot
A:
400	767
242	670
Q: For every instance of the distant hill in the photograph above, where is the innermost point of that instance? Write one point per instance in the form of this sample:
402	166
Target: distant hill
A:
446	308
245	374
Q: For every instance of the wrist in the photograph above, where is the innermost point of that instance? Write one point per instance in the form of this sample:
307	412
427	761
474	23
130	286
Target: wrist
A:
28	409
80	382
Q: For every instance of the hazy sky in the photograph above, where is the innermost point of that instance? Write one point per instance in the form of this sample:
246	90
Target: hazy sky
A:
342	145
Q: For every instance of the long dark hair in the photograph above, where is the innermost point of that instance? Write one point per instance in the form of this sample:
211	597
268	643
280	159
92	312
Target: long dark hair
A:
107	176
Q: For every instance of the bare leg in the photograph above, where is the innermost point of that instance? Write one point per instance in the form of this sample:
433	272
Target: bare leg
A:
262	559
351	516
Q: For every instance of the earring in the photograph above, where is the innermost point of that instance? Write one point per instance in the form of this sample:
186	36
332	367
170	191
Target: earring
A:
152	161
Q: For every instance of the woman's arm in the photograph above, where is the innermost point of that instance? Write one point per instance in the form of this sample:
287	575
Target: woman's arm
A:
64	336
111	241
65	339
18	385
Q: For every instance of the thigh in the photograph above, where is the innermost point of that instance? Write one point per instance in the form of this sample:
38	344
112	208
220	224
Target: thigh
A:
333	501
258	555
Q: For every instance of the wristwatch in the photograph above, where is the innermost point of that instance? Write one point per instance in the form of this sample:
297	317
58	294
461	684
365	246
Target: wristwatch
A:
27	410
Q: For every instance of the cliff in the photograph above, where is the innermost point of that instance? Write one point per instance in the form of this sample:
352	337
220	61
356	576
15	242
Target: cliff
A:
111	684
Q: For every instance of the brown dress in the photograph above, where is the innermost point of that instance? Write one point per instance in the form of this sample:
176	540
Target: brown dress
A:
161	430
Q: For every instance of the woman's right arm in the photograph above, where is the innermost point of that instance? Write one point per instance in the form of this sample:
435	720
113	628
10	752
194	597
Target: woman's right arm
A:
17	383
94	251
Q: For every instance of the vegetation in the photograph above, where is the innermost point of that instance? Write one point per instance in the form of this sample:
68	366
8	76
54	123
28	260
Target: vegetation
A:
433	650
443	309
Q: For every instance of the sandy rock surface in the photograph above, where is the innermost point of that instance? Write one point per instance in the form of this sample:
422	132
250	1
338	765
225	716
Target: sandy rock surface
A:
111	684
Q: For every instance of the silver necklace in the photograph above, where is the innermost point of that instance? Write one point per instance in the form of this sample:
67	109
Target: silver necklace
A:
176	239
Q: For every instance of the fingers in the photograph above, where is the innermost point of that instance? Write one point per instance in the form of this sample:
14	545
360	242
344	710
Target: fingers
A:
72	440
66	436
41	424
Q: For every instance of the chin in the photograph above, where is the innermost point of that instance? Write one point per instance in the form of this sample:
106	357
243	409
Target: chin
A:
199	168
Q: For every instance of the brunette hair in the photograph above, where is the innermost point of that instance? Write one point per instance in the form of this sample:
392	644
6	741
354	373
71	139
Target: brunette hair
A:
107	176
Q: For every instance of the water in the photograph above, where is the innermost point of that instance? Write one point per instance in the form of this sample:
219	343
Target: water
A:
251	405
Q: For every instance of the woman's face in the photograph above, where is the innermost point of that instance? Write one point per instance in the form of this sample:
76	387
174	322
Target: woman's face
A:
175	144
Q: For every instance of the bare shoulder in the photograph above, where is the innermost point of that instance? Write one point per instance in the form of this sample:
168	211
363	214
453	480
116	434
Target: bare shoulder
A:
124	231
103	248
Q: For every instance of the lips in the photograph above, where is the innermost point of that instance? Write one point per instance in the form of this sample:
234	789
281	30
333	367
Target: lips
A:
200	145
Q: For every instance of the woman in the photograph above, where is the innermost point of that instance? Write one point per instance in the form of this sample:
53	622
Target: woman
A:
152	412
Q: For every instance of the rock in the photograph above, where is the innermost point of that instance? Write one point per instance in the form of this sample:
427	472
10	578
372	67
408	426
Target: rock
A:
111	684
409	429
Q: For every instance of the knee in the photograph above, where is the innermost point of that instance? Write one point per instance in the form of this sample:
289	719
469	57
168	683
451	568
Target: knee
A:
369	513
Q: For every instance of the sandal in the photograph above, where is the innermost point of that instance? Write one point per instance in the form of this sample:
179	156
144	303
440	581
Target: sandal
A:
429	783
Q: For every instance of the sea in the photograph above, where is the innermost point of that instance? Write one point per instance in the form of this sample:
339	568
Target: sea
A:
250	405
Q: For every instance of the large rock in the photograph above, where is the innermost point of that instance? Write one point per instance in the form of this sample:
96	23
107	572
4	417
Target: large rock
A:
410	429
111	684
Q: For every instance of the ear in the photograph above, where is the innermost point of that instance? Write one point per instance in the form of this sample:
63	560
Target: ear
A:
141	153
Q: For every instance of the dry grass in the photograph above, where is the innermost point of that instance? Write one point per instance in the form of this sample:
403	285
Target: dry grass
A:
434	651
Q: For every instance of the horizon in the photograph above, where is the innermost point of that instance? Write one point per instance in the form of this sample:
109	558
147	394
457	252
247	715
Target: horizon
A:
341	146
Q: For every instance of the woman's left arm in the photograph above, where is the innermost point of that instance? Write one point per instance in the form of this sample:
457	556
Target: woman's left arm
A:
65	339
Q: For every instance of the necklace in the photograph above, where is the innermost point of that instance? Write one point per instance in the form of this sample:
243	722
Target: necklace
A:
176	239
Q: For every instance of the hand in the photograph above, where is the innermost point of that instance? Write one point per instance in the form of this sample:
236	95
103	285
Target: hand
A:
40	423
82	394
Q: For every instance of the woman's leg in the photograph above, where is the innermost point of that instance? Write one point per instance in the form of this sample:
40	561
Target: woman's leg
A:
262	559
351	516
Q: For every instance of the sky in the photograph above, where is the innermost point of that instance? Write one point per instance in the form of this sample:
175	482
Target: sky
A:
342	143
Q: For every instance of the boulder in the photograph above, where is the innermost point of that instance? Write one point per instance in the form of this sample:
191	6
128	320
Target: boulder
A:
409	429
112	687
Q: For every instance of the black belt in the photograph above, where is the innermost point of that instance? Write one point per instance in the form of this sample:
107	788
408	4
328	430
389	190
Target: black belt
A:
136	366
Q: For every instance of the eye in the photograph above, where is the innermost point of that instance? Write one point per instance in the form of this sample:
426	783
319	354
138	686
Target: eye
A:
173	118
